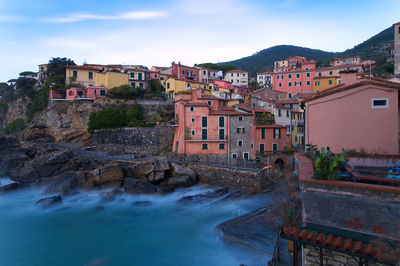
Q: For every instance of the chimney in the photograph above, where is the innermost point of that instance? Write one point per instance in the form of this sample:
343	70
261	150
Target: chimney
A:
348	77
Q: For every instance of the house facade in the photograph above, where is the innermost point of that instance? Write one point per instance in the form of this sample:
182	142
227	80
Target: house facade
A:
264	79
321	83
396	48
184	72
111	79
358	115
237	77
82	75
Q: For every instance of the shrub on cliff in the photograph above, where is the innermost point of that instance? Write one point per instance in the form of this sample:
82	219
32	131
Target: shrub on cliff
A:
125	92
14	127
116	118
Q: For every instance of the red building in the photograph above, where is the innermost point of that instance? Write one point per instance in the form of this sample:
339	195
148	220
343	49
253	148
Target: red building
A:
184	72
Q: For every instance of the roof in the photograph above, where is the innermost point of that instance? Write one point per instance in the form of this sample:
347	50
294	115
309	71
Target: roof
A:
83	67
237	70
317	69
200	104
265	73
287	101
344	244
227	112
325	77
343	87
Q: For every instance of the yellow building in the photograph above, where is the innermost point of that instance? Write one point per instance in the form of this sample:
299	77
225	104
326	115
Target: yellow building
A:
297	128
42	73
324	82
173	86
82	75
281	63
111	79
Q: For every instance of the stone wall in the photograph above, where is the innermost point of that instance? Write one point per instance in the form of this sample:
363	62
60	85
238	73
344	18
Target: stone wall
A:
248	179
235	136
144	141
330	258
211	158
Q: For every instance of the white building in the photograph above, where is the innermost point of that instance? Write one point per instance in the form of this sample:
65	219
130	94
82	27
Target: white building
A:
237	77
264	79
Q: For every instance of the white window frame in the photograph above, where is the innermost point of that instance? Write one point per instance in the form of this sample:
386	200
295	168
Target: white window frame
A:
191	108
193	120
238	143
248	155
234	155
193	132
379	99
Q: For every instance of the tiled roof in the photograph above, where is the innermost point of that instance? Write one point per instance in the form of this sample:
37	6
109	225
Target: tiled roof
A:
343	87
260	110
196	104
83	67
340	243
237	70
287	101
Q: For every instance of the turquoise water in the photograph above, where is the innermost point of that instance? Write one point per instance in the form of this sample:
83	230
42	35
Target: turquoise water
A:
77	232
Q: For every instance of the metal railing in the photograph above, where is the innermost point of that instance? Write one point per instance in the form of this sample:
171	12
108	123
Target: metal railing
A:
275	255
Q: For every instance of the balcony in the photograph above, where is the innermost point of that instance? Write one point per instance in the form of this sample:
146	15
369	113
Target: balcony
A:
206	138
264	121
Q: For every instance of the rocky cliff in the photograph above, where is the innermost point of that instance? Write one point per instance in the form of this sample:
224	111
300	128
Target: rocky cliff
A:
67	121
15	109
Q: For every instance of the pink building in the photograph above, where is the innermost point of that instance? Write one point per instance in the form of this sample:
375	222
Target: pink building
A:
362	115
223	84
294	81
79	93
153	75
184	72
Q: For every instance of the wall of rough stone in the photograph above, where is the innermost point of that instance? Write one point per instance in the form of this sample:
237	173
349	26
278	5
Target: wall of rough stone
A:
248	179
145	141
245	123
339	207
330	258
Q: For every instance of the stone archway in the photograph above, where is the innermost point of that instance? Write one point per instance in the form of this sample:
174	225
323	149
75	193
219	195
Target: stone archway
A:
280	163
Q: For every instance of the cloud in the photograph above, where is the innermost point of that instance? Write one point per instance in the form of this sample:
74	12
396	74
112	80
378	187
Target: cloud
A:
212	7
6	18
76	17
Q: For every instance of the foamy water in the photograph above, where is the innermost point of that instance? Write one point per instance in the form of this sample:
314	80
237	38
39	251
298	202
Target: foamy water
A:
84	230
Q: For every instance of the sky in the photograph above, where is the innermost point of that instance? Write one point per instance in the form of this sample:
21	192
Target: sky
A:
190	31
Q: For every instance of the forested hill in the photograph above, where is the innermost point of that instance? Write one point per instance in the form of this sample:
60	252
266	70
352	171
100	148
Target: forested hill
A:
374	48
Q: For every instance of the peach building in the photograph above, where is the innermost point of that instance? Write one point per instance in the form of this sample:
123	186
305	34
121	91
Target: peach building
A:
359	114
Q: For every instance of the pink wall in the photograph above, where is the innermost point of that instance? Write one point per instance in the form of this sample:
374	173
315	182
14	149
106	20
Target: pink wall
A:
269	138
223	84
293	89
95	92
176	70
347	120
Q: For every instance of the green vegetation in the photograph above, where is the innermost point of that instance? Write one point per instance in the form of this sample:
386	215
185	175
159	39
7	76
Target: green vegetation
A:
14	127
56	66
116	118
26	73
125	92
222	67
290	211
326	164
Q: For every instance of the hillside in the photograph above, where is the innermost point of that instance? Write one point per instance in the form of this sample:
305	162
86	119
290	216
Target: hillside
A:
264	59
373	48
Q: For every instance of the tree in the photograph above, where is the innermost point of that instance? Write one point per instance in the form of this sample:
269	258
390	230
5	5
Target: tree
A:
56	65
155	85
25	87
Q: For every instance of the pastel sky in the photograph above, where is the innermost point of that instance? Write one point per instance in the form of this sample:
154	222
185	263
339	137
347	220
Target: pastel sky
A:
191	31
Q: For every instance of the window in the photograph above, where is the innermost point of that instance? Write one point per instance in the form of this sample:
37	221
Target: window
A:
330	73
279	113
319	74
330	82
221	121
287	113
240	143
277	133
193	119
223	104
141	85
280	76
234	155
289	76
308	75
95	92
209	103
295	139
133	84
298	83
193	132
167	85
290	84
204	133
292	127
204	121
317	83
183	72
204	72
263	133
221	134
240	118
75	73
90	75
140	76
280	84
380	103
274	146
252	146
246	155
308	83
298	75
204	146
288	130
102	93
221	146
191	108
262	148
132	74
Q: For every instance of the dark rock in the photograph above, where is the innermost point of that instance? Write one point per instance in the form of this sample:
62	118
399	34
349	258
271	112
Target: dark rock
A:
138	186
65	184
181	181
217	196
46	202
155	177
178	170
141	203
142	170
10	187
111	184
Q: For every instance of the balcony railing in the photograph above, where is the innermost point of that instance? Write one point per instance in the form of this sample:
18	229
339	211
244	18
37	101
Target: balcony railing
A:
206	138
264	121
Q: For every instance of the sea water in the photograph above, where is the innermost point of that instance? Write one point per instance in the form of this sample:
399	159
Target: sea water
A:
84	230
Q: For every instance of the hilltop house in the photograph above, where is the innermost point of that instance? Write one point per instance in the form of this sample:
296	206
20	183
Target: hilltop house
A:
237	77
